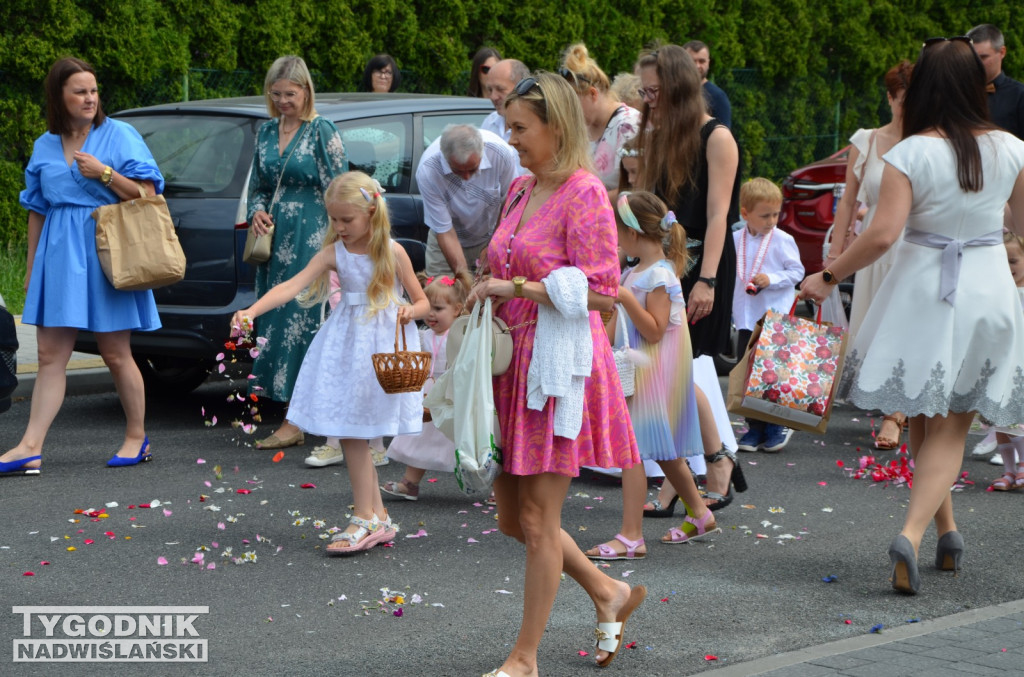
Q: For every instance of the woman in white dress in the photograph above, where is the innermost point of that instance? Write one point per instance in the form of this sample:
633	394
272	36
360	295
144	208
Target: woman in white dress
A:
863	179
944	336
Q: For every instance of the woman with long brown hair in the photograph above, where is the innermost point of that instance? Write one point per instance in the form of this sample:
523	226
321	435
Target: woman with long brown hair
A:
690	160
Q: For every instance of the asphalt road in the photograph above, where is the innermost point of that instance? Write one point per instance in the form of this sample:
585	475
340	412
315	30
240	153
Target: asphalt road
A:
754	590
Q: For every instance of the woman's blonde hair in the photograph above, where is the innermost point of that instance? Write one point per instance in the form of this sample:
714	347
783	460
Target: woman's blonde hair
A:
361	191
293	69
553	100
656	223
626	87
582	72
672	147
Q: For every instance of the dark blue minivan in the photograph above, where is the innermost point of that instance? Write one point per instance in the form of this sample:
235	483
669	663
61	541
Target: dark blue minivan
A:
204	150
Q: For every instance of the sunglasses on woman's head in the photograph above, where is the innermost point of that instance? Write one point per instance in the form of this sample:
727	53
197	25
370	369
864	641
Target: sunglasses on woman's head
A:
485	69
956	38
524	86
574	78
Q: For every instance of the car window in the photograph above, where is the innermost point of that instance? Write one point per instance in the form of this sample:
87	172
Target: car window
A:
433	125
380	147
199	154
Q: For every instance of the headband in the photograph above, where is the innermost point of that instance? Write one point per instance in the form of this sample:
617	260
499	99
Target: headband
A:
628	152
377	190
626	214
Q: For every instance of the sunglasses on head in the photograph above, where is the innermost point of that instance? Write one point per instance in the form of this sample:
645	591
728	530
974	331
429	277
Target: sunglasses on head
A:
574	78
485	69
956	38
524	86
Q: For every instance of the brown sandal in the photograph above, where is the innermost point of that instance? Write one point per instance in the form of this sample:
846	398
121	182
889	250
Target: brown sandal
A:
886	444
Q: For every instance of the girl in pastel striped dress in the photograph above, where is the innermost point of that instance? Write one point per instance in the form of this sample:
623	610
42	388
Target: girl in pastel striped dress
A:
664	407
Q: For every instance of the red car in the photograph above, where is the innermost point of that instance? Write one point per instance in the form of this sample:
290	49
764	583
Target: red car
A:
809	198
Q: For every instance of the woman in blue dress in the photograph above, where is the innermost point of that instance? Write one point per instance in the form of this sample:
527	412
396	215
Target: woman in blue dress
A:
297	154
84	161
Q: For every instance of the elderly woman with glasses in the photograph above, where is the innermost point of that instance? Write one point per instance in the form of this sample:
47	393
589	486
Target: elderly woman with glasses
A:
381	75
610	123
554	266
943	338
297	154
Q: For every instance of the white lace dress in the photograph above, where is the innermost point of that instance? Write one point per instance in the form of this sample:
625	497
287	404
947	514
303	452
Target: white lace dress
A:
336	393
921	350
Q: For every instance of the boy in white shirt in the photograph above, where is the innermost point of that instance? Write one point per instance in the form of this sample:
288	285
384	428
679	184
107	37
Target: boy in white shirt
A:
768	269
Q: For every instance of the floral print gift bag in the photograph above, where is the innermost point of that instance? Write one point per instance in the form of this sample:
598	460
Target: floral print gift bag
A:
789	373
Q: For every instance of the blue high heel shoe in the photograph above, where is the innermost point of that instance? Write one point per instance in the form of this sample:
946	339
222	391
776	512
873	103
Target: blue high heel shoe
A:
905	577
949	551
15	468
121	461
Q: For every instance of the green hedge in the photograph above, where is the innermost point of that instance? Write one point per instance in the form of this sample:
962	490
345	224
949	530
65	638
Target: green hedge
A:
802	75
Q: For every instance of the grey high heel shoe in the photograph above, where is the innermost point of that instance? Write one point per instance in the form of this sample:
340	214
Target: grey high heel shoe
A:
949	551
905	577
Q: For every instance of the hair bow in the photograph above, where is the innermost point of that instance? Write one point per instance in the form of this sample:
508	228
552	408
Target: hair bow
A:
668	221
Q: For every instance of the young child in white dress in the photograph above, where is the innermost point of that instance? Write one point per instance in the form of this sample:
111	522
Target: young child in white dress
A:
337	393
768	268
1010	439
330	452
431	449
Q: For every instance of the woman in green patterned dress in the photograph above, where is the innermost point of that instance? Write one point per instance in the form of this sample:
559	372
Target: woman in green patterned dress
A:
297	154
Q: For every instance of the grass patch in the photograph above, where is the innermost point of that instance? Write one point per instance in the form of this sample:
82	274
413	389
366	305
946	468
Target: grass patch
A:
12	275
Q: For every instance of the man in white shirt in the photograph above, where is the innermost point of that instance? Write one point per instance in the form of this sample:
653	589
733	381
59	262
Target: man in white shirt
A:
501	80
463	178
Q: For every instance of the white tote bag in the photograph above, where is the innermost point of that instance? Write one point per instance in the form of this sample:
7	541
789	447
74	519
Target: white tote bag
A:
477	457
623	355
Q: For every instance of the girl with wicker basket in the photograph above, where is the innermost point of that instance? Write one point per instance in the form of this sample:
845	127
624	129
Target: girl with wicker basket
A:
337	393
431	449
664	407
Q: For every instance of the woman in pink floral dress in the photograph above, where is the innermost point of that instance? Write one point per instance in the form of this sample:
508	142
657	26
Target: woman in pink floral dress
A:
556	222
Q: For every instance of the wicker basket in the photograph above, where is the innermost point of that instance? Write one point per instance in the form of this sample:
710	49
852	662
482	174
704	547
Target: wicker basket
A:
402	371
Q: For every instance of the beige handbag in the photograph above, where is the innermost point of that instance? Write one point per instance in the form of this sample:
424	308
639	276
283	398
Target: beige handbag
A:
136	243
258	248
501	344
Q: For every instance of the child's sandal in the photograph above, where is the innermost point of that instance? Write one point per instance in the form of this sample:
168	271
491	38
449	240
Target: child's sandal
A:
1005	483
365	537
1018	481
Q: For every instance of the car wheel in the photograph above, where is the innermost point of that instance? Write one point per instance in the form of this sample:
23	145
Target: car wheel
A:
171	375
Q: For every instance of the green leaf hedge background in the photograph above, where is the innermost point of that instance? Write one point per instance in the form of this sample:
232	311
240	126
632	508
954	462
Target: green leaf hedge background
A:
802	76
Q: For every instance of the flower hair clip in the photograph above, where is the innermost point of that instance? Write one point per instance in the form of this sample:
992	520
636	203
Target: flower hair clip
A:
447	281
628	152
668	221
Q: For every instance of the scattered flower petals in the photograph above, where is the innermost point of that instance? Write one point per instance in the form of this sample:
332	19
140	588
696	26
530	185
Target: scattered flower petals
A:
308	485
582	652
876	629
419	534
277	457
161	561
200	461
829	579
848	621
44	563
28	573
710	657
397	613
243	491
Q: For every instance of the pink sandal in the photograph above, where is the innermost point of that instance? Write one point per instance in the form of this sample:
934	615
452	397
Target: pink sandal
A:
1005	483
607	552
369	534
701	528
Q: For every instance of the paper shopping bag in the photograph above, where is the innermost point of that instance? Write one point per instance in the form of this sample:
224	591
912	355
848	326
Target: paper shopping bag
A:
789	372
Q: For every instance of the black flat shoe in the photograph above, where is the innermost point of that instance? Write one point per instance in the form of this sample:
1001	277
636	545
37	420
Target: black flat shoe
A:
949	551
905	577
661	511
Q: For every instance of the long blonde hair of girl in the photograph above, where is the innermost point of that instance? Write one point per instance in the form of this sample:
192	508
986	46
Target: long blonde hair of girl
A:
652	220
359	190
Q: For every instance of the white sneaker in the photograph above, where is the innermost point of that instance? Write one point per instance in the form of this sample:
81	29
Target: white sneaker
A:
325	455
997	459
984	448
379	457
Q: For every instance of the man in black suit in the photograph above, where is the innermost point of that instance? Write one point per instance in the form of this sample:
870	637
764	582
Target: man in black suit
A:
1005	95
